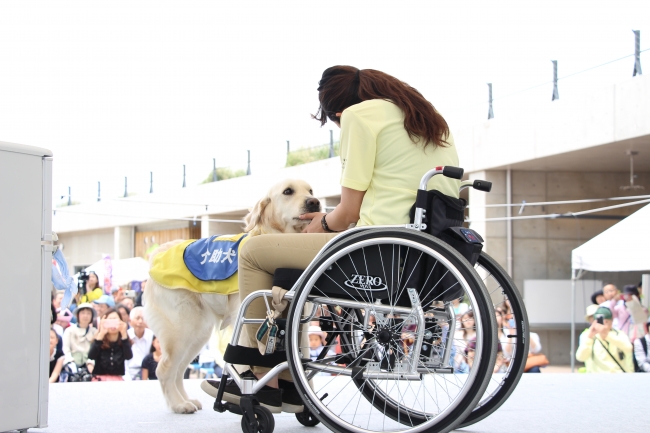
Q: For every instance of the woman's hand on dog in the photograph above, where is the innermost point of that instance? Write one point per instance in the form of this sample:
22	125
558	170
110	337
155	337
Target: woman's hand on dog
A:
315	225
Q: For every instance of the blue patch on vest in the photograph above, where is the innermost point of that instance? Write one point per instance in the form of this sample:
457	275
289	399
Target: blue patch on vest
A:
210	260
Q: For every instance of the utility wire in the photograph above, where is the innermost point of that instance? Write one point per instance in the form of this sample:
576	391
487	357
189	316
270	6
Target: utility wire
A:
146	217
546	203
566	76
556	215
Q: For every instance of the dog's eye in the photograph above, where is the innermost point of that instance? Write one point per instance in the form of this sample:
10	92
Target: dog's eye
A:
311	192
287	191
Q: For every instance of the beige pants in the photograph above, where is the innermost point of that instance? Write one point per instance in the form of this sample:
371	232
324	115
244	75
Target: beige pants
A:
258	260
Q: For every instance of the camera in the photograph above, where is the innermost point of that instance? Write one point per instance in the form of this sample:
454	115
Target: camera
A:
599	318
76	374
81	282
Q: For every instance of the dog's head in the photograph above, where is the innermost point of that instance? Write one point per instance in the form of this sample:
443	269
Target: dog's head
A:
280	209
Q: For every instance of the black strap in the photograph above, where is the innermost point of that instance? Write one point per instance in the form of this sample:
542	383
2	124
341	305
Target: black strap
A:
252	356
612	356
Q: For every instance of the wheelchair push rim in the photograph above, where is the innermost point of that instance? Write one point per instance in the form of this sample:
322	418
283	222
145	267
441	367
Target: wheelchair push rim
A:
466	389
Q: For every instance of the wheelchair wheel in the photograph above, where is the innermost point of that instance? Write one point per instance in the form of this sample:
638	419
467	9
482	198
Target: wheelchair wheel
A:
384	296
265	421
513	342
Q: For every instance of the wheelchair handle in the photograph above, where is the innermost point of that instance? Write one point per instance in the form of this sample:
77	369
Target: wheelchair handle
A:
447	170
481	185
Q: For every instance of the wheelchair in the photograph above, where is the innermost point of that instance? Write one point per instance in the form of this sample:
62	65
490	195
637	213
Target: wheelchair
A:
383	295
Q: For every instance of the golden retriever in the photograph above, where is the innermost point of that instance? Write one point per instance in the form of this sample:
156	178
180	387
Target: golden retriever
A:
184	320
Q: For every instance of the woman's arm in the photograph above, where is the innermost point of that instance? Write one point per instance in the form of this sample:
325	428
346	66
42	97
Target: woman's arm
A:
67	350
126	345
93	353
57	370
145	374
346	213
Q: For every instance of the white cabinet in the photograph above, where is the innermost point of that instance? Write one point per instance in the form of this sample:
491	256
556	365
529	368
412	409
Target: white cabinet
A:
25	284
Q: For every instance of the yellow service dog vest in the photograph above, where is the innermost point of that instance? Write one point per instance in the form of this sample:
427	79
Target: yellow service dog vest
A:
206	265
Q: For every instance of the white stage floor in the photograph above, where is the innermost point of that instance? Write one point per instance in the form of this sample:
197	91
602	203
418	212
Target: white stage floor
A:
541	403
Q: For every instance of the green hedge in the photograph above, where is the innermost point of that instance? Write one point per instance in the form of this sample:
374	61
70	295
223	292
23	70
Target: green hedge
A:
311	154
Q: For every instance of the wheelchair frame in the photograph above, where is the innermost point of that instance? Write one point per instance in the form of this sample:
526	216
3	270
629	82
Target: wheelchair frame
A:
245	384
250	386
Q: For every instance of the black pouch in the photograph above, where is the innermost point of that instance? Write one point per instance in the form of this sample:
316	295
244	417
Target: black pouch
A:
442	211
444	218
466	241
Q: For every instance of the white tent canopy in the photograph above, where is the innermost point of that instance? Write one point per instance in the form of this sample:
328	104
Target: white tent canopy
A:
621	248
124	270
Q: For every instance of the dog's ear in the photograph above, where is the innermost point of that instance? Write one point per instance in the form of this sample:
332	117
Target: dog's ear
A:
254	217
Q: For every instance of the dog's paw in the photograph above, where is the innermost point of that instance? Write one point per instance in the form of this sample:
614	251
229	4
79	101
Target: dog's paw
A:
196	403
185	407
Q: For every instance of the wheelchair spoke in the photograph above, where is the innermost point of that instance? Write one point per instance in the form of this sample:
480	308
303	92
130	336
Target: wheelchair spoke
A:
394	370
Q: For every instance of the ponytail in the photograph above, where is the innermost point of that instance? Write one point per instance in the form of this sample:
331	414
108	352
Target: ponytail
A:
343	86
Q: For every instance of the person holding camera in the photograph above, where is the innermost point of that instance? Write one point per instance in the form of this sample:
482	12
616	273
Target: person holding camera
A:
111	348
90	290
78	337
604	349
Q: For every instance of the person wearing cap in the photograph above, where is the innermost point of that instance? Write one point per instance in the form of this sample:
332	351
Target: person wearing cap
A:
78	337
589	318
604	349
63	317
103	304
317	342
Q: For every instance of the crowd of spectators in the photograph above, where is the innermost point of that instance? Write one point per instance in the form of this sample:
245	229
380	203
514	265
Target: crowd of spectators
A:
617	339
102	337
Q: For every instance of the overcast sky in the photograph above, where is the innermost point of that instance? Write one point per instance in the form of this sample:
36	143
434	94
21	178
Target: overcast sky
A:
122	88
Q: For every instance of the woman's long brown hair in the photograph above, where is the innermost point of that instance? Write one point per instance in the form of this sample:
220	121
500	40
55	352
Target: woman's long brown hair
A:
343	86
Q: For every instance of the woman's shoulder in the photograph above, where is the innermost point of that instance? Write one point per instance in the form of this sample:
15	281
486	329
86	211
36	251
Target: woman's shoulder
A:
373	113
372	106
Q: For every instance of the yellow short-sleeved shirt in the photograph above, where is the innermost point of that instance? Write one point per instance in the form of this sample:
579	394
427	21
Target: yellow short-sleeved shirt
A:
378	157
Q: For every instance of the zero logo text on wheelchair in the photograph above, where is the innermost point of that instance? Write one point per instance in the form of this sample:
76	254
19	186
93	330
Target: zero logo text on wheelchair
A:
366	282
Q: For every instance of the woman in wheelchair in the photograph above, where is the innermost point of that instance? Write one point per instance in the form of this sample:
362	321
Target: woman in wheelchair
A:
383	292
390	136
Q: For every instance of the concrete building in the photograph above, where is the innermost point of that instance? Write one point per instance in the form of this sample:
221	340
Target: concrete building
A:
564	150
559	151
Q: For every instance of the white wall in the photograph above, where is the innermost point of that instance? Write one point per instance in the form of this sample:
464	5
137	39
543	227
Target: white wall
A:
608	114
549	301
85	248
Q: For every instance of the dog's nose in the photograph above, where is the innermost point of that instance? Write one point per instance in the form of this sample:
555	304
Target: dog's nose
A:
312	203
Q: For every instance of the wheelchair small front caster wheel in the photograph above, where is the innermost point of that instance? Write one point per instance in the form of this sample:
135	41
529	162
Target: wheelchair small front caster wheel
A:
265	421
307	419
